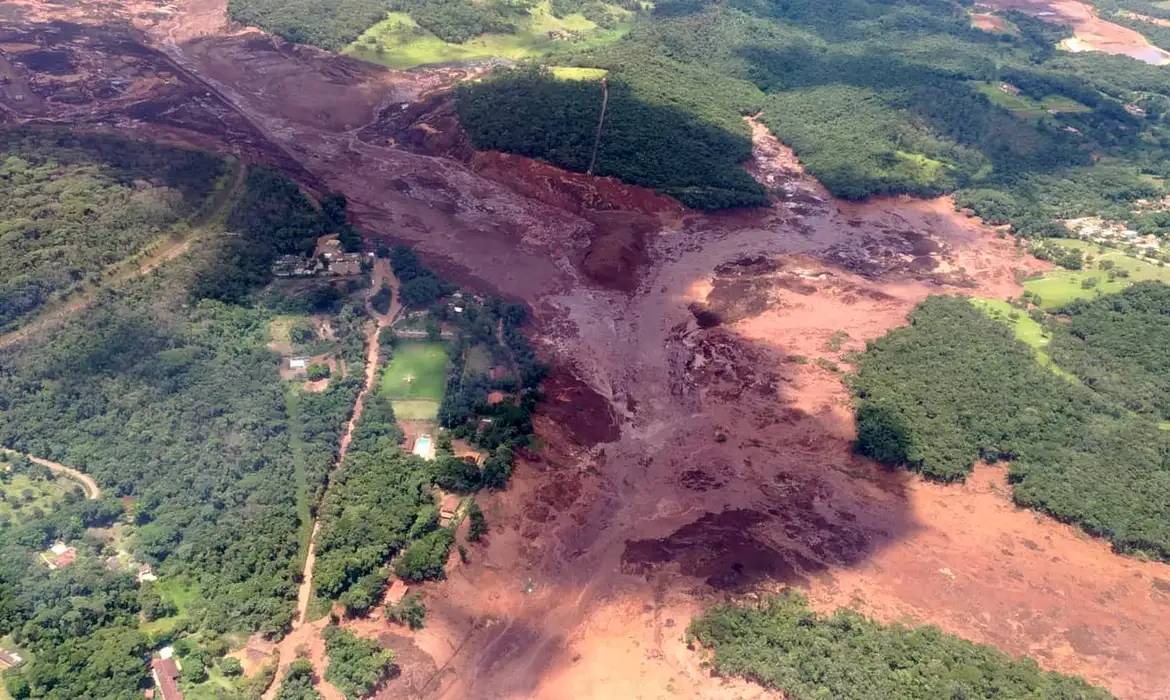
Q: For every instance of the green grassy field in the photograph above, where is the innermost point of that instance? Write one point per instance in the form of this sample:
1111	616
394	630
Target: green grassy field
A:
21	495
181	594
1027	330
1024	106
1060	286
575	73
415	379
398	42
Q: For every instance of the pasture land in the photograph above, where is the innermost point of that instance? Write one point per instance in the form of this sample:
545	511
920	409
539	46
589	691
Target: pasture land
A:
1060	286
22	496
399	42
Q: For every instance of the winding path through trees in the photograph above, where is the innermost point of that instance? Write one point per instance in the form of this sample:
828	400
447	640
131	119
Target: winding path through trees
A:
85	481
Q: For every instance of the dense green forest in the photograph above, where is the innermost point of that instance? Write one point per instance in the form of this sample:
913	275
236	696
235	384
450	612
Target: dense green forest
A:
379	503
166	392
72	205
783	644
330	24
1120	346
956	386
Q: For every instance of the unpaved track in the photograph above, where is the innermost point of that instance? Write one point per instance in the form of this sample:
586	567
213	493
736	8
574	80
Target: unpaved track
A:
306	634
85	481
682	462
159	253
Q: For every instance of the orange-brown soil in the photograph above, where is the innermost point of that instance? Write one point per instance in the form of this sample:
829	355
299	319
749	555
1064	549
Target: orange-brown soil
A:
1091	32
696	438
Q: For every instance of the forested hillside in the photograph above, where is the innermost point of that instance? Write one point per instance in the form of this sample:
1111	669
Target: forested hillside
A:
783	644
165	391
956	386
330	24
876	97
73	205
654	144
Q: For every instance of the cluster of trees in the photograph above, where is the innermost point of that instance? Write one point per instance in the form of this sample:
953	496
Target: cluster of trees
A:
329	24
272	217
956	386
71	205
1067	257
783	644
356	665
1119	345
377	505
419	287
298	682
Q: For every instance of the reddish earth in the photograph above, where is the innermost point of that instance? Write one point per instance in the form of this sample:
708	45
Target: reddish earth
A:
697	437
1090	32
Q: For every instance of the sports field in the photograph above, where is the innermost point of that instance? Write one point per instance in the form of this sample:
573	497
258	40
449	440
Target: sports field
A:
415	379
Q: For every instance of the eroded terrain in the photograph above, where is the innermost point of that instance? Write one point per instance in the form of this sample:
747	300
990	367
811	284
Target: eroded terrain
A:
697	433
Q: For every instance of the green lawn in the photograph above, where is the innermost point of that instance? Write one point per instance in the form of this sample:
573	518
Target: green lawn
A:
1027	330
415	379
1061	286
398	42
1024	106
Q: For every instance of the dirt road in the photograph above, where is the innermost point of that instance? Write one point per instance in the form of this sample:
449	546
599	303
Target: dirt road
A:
306	635
696	430
85	481
162	251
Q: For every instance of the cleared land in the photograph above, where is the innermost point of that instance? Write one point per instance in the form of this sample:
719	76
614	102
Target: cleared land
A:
398	41
1060	287
1023	106
415	378
21	495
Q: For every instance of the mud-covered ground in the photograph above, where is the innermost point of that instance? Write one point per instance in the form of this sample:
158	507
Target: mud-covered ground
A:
696	432
1090	32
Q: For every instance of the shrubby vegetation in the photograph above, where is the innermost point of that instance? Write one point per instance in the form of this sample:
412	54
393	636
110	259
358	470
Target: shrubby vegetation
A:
956	386
783	644
71	205
356	665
